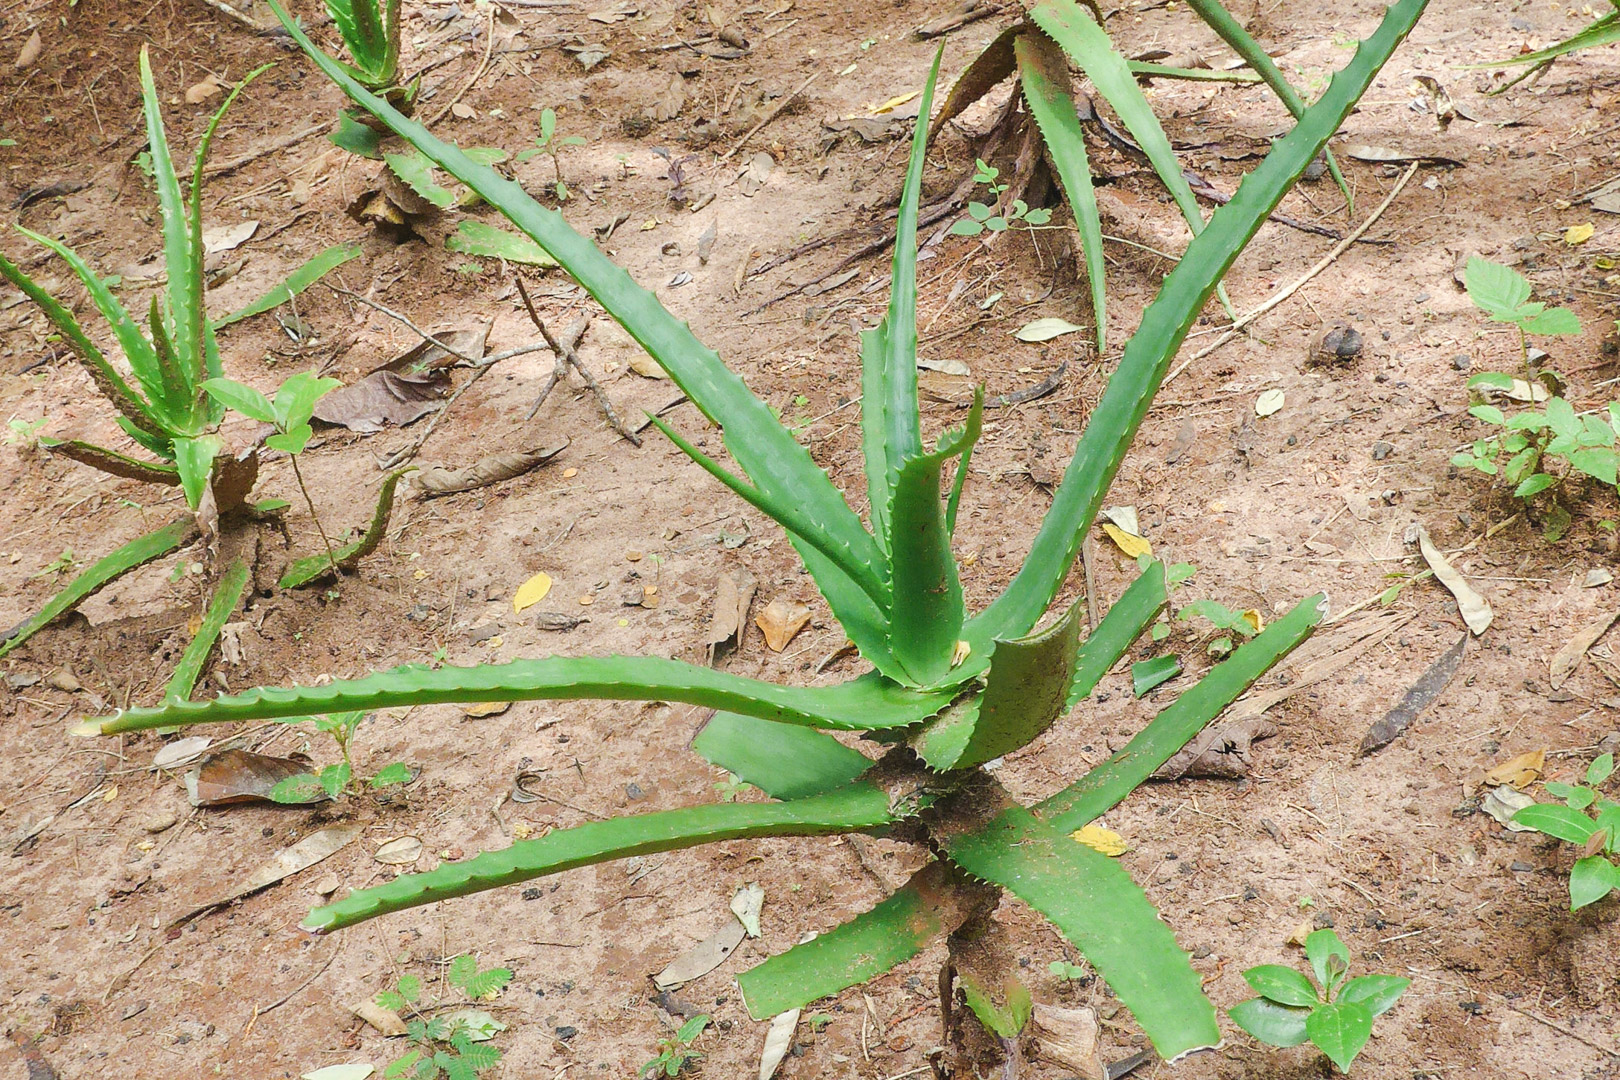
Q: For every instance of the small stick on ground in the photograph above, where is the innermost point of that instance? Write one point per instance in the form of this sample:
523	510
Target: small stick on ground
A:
478	73
265	151
397	317
1284	293
772	115
566	358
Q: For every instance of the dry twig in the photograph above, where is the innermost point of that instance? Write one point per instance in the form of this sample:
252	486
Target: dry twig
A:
567	357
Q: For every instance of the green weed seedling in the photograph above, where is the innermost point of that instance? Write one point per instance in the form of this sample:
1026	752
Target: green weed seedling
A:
948	689
983	217
1583	443
1067	971
455	1044
1594	874
1335	1014
548	143
339	779
676	1053
20	432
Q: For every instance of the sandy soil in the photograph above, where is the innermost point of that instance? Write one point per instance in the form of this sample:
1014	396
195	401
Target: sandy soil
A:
1393	852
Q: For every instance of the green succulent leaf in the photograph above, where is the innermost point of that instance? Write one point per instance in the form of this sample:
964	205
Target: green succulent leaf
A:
477	238
849	809
1005	1020
782	760
195	460
227	594
316	568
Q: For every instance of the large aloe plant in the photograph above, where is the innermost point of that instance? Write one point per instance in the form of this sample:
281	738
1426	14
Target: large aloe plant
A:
950	691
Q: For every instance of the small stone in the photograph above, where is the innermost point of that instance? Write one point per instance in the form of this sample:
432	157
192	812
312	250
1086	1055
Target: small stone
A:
566	1032
1462	362
1597	577
161	822
1382	450
1421	298
64	680
632	556
633	791
1473	1007
1521	867
1323	921
1202	952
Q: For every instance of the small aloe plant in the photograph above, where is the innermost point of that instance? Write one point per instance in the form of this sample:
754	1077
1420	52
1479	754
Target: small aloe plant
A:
1337	1018
948	692
1594	874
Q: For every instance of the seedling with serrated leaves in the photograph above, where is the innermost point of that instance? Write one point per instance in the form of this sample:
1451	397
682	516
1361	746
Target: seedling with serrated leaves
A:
949	691
1597	834
675	1053
548	143
1583	442
158	389
454	1045
338	779
1335	1014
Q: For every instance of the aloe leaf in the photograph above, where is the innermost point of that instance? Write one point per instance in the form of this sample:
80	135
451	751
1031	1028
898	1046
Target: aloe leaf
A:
1097	907
195	460
857	807
867	703
866	946
1242	42
106	377
368	40
993	63
478	238
300	279
889	422
1025	690
172	392
1123	624
137	552
318	567
765	450
1164	326
182	260
137	350
1044	75
226	596
114	463
1083	801
1088	45
972	429
1602	31
927	610
782	760
1144	70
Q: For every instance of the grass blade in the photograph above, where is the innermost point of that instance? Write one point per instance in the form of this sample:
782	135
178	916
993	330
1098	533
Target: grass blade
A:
137	552
866	703
1164	326
226	597
1097	906
783	761
850	809
1086	799
299	280
1242	42
1044	75
316	567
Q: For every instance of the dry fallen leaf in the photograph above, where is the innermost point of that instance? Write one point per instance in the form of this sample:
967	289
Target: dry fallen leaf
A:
239	776
732	596
1104	840
312	849
181	752
1502	803
386	1021
1519	771
481	709
206	90
780	621
1069	1039
1579	234
1269	402
383	397
703	957
28	55
493	469
400	851
669	99
531	592
778	1041
1476	610
1131	544
228	237
1568	658
1045	329
746	905
647	367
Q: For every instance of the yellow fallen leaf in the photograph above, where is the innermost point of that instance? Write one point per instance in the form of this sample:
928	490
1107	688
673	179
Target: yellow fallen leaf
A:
1130	544
1301	932
110	794
1579	234
780	621
1107	841
531	592
890	105
1520	771
1252	617
486	708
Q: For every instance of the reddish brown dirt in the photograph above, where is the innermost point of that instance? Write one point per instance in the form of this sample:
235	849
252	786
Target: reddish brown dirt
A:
1506	982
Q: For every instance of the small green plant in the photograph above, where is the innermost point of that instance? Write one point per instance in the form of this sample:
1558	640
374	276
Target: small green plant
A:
1336	1013
455	1044
731	787
22	432
949	690
982	217
1584	443
1067	971
290	413
59	565
1233	624
548	143
339	779
675	1053
1594	874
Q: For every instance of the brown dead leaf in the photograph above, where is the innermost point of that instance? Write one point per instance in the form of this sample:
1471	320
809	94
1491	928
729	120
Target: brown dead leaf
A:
1068	1039
1568	658
703	957
486	708
425	356
669	99
759	170
1221	751
386	1021
383	397
1520	771
1475	609
207	90
307	852
240	776
781	620
437	480
28	55
732	595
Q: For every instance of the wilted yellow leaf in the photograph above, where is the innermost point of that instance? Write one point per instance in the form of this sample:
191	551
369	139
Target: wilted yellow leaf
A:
486	708
780	621
531	592
890	105
1520	771
1130	544
1107	841
1252	617
1579	234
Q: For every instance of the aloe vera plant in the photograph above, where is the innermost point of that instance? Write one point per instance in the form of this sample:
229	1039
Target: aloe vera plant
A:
1039	50
1604	30
950	691
158	391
